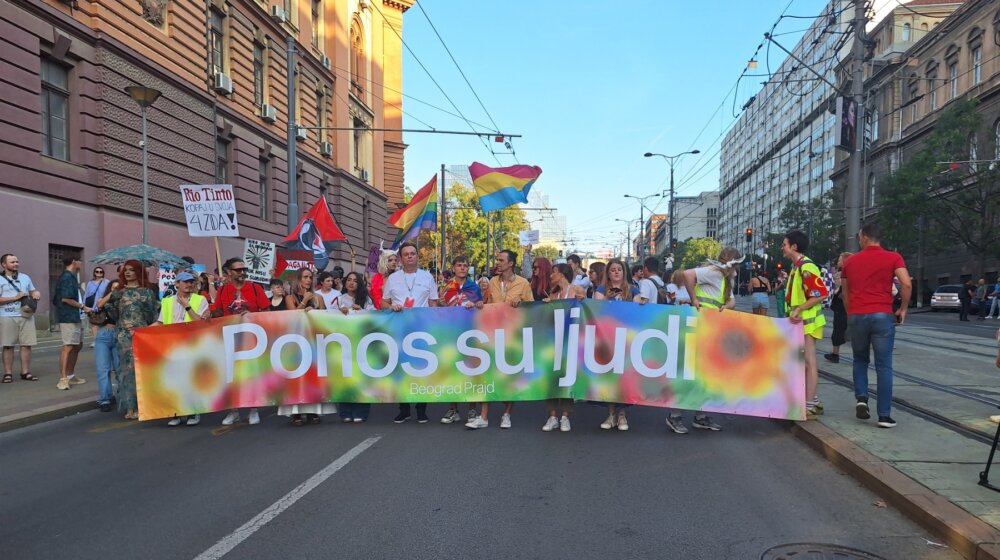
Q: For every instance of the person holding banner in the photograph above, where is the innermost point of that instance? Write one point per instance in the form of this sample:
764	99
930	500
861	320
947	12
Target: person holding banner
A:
561	280
132	305
238	297
326	290
460	291
615	288
301	296
278	302
387	263
805	297
355	299
541	270
408	288
184	307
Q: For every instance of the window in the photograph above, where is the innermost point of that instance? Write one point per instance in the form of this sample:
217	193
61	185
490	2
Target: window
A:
873	131
217	41
977	65
55	109
973	153
906	32
317	22
871	191
953	79
996	140
221	161
321	114
264	202
259	70
932	84
357	59
359	135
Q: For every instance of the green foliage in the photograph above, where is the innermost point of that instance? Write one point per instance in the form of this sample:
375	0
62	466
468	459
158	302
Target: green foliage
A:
695	251
819	219
547	251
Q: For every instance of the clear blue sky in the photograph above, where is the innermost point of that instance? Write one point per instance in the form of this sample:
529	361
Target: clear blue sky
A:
591	85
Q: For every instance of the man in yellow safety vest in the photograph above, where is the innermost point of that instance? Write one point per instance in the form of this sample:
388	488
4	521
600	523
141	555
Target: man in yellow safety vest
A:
184	307
804	296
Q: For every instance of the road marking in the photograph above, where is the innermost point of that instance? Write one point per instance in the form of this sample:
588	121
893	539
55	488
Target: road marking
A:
114	426
232	540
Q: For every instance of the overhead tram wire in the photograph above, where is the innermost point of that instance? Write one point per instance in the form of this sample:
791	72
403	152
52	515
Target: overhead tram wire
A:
429	75
460	71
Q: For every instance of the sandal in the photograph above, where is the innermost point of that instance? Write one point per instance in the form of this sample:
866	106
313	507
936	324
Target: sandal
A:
27	377
314	418
8	378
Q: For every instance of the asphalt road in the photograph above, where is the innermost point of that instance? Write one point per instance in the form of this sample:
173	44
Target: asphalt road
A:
94	486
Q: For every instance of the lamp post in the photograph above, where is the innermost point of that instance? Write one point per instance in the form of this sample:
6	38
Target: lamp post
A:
145	97
628	223
670	204
642	220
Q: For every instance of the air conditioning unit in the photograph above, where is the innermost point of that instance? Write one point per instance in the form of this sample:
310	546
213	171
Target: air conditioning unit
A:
364	175
278	13
326	62
268	113
326	148
301	133
223	83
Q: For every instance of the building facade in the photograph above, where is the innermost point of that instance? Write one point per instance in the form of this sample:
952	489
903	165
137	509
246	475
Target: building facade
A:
71	135
696	216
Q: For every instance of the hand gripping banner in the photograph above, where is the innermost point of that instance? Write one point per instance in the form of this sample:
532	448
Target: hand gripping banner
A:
655	355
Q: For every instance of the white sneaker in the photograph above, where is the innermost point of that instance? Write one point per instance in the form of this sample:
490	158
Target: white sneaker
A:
476	423
472	415
564	424
550	424
254	417
505	421
609	423
450	417
233	416
175	421
622	422
194	420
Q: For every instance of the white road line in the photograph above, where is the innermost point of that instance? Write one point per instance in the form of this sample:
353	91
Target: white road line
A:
230	542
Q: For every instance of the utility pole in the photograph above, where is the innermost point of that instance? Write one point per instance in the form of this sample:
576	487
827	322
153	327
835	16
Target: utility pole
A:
853	198
293	184
443	208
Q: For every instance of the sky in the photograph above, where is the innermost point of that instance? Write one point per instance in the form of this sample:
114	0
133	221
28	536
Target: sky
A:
590	86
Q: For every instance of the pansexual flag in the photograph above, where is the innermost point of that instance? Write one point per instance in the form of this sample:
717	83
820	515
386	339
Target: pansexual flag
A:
421	213
504	186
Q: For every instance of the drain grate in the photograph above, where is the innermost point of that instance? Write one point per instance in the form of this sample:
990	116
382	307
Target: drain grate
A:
816	551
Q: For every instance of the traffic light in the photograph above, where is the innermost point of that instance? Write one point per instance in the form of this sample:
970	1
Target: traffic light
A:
779	266
749	235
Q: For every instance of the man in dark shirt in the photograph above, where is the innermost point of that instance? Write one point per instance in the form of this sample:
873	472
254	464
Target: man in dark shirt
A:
68	308
965	300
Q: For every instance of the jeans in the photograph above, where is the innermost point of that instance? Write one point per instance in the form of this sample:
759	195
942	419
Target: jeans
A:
354	410
421	407
994	308
106	356
875	331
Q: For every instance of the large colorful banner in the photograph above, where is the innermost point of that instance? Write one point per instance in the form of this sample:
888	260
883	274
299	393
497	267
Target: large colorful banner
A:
656	355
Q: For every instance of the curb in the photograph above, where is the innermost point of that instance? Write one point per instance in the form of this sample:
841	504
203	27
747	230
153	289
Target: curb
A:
968	535
44	414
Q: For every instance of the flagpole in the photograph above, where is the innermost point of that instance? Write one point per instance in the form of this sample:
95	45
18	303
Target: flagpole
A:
443	209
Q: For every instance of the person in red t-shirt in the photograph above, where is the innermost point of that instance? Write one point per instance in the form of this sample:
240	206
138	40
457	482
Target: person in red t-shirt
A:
236	297
866	289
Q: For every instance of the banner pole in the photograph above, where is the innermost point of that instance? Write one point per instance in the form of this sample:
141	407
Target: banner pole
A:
218	256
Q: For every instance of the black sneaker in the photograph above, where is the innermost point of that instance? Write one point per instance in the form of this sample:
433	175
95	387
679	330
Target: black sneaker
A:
886	422
861	410
422	417
106	407
401	417
832	358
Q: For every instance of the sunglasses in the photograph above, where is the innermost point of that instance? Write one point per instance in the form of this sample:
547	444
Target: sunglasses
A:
98	272
238	270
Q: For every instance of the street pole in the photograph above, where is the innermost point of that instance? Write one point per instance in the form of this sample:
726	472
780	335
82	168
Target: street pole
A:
443	208
642	233
920	266
145	182
853	198
293	186
670	206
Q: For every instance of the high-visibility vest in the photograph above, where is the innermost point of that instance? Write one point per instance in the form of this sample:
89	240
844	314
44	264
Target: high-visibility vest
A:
168	309
709	301
812	318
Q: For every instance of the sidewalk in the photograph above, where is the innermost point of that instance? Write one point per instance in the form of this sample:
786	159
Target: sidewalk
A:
23	403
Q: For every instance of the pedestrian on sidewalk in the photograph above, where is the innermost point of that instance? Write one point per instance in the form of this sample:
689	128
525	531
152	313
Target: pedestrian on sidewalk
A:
68	311
965	294
407	288
17	317
760	289
994	312
839	336
806	294
93	292
866	284
184	307
132	306
779	293
982	298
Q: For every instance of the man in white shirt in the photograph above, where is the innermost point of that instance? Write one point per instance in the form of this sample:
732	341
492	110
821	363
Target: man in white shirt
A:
580	277
651	283
406	288
16	328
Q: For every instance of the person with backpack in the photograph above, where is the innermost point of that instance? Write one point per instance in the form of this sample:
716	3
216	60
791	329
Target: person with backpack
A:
651	287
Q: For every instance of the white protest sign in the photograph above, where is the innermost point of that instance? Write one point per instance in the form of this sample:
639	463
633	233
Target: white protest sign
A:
529	237
166	279
210	210
259	258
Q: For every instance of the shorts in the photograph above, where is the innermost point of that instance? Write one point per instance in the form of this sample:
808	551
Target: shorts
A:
759	299
72	333
18	331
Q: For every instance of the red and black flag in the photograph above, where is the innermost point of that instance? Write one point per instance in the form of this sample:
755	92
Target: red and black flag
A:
317	232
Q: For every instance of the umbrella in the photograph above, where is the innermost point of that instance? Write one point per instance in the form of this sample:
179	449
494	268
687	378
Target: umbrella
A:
149	256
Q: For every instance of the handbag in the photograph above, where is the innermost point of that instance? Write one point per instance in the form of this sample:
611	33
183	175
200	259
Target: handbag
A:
98	318
28	303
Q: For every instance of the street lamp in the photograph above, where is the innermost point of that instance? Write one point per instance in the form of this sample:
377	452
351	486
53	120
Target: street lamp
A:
642	220
145	97
628	223
670	204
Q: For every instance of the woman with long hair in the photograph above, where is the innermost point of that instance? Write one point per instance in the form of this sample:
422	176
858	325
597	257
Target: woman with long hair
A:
132	305
94	292
206	287
595	273
839	335
561	287
354	300
387	263
760	289
615	287
302	296
541	269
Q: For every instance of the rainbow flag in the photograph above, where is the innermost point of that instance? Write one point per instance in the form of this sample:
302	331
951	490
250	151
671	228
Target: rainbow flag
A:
421	213
503	187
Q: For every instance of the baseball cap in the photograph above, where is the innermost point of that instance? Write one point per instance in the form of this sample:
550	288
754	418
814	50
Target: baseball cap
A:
185	277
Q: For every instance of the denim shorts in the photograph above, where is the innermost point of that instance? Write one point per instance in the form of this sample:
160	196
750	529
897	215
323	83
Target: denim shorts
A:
759	299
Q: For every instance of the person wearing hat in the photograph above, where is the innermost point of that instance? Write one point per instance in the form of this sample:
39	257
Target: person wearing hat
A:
186	306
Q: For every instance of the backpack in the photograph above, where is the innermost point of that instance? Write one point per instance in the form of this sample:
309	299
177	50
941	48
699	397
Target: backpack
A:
662	295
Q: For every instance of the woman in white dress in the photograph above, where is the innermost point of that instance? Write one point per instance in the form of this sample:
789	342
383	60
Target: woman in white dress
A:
302	297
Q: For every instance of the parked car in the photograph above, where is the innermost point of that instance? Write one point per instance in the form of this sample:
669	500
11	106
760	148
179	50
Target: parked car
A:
946	297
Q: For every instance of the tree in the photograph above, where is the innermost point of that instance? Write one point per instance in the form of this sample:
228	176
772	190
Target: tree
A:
816	219
467	226
695	251
547	251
